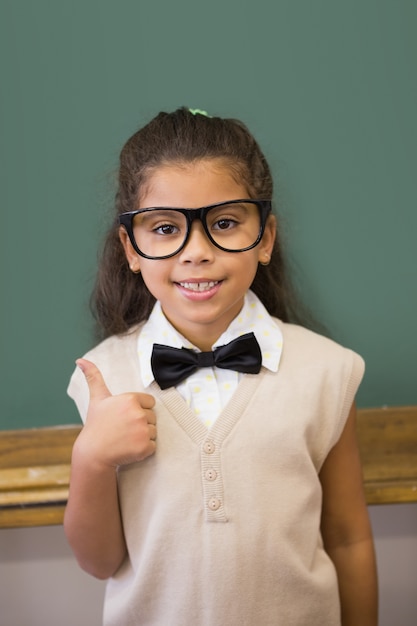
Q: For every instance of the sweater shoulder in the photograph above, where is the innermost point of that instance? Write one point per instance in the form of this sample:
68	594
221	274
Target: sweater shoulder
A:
114	345
116	358
329	371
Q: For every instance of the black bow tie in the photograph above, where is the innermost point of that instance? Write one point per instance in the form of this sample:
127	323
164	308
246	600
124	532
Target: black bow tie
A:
171	366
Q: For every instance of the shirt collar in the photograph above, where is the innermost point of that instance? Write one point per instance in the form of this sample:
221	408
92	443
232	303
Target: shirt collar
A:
253	317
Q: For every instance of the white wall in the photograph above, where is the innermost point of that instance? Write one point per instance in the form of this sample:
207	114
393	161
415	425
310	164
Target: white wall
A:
41	584
395	532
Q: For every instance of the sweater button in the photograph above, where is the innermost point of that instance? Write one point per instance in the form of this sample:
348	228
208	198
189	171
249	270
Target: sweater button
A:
210	474
209	447
214	504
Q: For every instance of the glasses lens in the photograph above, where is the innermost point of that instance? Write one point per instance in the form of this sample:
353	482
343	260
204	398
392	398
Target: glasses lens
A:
159	232
234	226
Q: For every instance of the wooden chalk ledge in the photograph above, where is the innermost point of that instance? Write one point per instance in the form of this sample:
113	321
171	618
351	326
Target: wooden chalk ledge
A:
35	466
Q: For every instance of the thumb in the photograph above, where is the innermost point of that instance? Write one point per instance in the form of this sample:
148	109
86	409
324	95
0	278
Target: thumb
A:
95	381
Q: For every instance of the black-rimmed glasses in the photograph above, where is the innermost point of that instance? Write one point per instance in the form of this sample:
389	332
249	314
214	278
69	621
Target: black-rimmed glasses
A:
162	232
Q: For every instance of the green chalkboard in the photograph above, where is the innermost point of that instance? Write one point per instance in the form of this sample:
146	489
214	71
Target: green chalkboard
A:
328	88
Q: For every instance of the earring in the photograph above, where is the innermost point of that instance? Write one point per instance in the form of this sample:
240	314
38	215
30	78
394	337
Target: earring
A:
266	260
134	269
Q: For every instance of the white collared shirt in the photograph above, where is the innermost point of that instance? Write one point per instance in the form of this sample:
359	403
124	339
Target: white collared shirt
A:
208	390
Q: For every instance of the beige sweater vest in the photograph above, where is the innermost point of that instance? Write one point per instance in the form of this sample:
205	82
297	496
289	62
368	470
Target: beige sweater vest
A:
222	526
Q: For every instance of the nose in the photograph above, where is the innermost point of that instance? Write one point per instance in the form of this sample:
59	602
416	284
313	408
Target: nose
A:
198	248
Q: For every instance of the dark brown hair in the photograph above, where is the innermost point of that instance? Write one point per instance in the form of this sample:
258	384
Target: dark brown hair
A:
121	299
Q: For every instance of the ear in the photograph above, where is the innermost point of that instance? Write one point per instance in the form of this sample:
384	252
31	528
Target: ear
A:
132	256
267	242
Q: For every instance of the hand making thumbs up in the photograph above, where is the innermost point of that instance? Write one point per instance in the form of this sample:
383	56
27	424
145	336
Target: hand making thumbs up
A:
119	429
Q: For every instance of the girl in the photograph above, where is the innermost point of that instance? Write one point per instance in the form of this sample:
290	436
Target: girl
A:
210	496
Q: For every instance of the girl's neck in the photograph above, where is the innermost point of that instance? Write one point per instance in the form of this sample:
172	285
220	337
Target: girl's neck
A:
204	335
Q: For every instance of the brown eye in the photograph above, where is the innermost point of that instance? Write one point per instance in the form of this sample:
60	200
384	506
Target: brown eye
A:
224	224
166	229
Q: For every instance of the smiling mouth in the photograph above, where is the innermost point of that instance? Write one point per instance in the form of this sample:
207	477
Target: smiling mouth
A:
203	286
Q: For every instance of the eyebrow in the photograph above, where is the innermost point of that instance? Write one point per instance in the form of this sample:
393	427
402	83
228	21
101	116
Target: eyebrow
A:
223	204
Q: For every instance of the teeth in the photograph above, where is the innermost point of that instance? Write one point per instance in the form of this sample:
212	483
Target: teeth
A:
199	286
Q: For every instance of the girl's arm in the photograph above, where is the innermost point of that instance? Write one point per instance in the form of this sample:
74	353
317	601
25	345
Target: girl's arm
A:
346	530
119	430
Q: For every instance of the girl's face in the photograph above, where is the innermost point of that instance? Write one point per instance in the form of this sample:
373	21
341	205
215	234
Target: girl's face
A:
201	289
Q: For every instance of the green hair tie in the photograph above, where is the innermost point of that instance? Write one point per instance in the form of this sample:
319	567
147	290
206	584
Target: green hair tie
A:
199	112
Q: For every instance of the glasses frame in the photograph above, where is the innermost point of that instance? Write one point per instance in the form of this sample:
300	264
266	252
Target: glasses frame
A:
126	220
